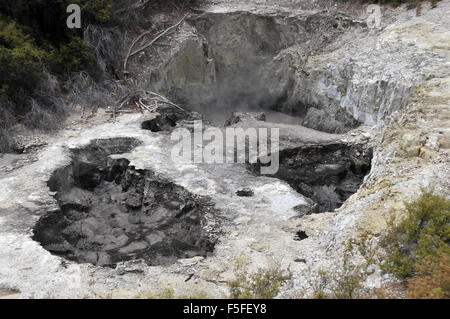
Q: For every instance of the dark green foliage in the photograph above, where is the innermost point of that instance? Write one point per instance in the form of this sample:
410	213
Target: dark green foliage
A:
33	32
46	19
424	233
71	57
20	60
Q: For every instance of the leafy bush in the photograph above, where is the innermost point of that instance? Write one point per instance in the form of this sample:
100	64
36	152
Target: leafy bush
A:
37	29
34	38
418	254
73	56
20	60
101	10
424	233
419	247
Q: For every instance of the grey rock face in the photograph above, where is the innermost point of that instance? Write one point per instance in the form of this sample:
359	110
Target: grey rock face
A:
250	57
295	63
322	121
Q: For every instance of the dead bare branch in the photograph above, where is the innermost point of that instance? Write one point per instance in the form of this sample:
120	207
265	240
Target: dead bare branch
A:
159	36
131	48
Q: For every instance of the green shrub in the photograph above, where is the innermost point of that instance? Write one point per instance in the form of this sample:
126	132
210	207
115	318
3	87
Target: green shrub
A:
73	56
20	60
422	235
43	33
100	9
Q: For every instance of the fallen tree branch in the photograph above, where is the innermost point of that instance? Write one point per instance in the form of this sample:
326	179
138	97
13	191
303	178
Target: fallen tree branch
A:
145	106
138	96
159	36
165	100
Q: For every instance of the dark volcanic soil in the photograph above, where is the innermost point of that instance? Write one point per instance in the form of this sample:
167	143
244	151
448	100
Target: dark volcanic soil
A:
111	212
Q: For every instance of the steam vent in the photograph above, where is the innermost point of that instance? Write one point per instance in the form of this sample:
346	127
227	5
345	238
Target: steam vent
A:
218	149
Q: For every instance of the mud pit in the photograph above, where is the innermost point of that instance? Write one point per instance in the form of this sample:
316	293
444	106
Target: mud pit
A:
326	174
111	212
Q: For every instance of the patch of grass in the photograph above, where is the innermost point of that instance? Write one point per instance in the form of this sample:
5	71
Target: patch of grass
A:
346	282
263	284
169	293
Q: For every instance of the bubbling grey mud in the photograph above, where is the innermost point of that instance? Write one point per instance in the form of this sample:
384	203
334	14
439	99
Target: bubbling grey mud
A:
111	212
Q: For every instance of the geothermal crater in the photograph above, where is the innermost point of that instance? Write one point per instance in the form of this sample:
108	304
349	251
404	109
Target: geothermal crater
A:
111	212
324	72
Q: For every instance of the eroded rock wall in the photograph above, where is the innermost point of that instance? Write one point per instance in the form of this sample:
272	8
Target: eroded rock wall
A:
243	60
250	60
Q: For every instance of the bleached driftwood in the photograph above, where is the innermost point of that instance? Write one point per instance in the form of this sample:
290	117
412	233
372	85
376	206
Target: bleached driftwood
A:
139	96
